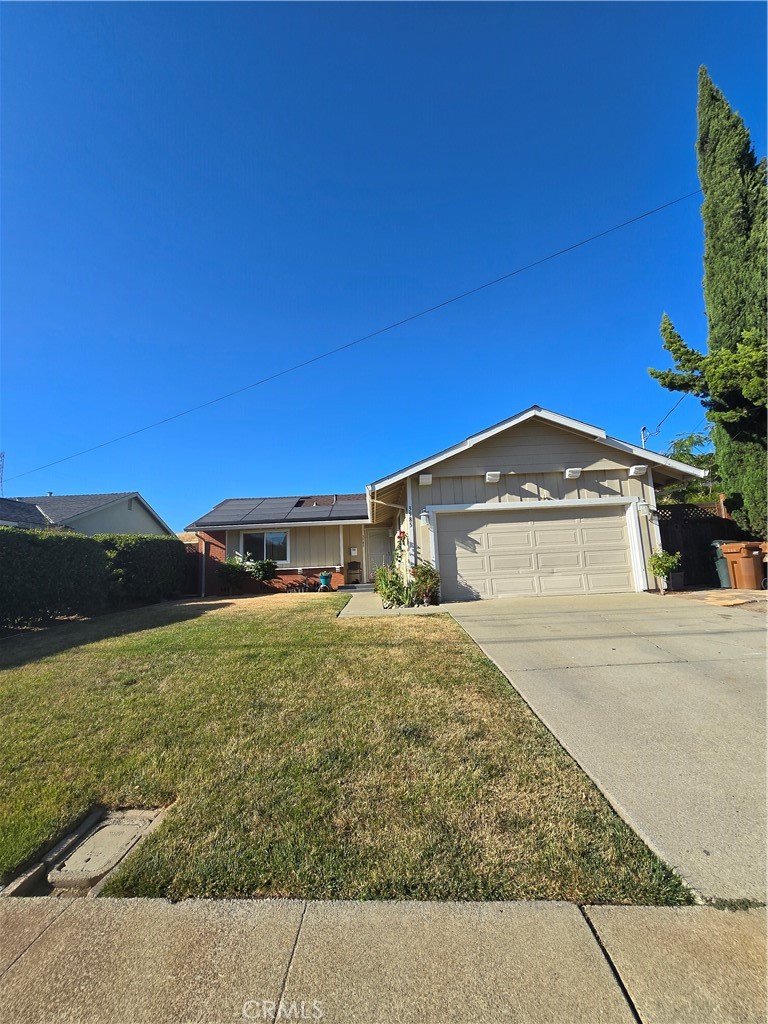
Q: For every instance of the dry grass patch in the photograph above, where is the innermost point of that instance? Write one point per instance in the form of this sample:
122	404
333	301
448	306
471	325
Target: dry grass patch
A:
312	757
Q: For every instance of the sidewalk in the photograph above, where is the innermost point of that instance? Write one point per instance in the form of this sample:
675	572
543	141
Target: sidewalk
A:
102	961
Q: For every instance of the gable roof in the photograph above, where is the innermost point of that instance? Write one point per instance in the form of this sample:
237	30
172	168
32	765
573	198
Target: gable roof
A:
296	510
21	513
556	419
64	509
61	507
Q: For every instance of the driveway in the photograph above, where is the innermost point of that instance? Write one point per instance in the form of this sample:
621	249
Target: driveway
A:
662	702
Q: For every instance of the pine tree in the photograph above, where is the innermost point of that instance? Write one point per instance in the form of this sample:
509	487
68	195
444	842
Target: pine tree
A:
731	378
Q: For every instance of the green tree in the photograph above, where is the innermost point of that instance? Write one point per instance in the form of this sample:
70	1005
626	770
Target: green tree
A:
694	450
730	379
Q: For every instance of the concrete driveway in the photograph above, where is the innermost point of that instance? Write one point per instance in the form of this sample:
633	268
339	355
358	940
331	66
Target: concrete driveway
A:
662	702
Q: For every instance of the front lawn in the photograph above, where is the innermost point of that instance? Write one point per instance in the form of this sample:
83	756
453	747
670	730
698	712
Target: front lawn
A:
309	756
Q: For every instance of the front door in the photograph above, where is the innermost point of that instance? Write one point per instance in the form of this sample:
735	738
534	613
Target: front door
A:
379	549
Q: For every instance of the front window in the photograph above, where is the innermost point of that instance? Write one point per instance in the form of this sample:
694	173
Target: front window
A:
258	546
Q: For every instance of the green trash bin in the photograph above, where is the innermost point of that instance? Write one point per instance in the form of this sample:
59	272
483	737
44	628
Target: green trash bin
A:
721	564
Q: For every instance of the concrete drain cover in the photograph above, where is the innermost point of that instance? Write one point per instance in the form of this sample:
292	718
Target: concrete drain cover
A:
101	850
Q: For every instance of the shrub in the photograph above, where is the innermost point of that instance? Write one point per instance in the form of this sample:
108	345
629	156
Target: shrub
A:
143	567
426	584
389	584
233	573
46	573
662	564
263	571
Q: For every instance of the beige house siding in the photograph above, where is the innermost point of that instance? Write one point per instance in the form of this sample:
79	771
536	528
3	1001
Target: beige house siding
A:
532	459
309	546
118	518
353	538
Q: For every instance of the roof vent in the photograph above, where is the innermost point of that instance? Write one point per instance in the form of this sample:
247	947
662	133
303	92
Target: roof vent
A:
50	494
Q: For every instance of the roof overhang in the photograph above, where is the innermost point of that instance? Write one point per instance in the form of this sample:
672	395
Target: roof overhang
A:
597	434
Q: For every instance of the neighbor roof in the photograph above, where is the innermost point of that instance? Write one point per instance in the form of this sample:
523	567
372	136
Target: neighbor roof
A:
297	509
12	510
61	507
555	418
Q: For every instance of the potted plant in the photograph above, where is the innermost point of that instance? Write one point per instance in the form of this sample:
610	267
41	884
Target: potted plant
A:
664	565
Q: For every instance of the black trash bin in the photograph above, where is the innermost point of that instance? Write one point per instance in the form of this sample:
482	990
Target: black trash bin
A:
721	564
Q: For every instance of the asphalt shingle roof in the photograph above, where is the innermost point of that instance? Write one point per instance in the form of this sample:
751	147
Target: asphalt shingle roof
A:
25	514
61	507
298	509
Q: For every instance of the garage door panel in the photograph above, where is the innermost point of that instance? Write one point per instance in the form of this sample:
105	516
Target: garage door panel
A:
550	552
501	563
555	537
554	560
609	583
609	558
520	586
562	584
603	534
500	540
468	566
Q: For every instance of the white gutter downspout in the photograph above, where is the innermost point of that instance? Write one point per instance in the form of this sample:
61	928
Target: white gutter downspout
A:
202	571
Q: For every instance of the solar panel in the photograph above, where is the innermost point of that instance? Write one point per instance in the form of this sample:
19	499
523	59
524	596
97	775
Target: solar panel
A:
349	510
309	513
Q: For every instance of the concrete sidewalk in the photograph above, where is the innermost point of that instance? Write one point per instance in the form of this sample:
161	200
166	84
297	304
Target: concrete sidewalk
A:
102	961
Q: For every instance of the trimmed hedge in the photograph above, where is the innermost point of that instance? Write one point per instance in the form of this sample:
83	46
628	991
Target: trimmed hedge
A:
143	567
45	573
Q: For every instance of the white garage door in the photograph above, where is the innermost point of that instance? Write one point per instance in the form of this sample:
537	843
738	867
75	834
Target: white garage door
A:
539	552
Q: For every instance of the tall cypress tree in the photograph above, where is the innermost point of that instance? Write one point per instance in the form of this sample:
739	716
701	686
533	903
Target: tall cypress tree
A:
731	378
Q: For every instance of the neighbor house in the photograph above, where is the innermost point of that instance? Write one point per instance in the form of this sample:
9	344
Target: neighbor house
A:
123	512
540	504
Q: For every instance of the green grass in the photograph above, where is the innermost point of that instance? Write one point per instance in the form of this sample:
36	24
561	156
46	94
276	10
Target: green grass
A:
308	756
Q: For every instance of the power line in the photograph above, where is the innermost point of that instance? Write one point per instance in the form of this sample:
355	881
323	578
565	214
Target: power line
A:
645	433
365	337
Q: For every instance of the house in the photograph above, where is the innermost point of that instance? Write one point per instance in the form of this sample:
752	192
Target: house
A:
539	504
123	512
18	513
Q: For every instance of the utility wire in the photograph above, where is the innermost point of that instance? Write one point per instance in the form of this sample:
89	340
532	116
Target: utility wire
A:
645	433
658	425
365	337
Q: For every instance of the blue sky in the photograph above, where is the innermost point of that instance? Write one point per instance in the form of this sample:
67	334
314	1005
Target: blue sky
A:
195	196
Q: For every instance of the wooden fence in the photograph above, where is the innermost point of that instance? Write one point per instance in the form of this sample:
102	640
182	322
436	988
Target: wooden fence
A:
690	529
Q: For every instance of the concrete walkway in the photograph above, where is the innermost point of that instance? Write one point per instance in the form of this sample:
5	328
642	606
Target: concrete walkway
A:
101	961
662	702
369	606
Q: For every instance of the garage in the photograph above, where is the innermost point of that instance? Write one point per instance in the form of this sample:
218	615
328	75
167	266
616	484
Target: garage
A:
529	553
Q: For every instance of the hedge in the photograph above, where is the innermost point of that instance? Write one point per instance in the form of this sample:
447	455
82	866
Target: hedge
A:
45	573
143	567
